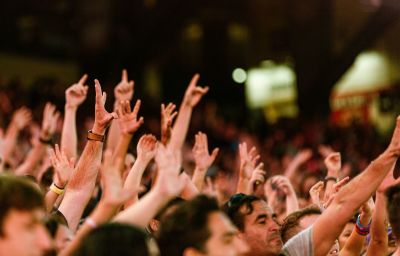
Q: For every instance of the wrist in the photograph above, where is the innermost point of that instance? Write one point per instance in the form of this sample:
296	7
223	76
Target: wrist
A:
70	107
98	129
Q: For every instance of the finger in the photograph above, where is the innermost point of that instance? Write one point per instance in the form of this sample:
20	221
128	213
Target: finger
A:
214	154
103	98
127	107
136	108
83	79
194	81
97	88
162	108
173	115
124	76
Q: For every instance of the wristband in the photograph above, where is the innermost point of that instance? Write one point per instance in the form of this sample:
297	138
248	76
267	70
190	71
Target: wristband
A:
46	141
94	136
57	190
330	178
91	222
360	229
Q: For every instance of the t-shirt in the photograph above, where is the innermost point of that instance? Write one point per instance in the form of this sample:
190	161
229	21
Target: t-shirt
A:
299	245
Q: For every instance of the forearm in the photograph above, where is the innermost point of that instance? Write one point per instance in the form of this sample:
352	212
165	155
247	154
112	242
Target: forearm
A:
121	149
189	191
69	137
181	127
101	214
112	136
29	166
292	204
142	212
243	185
10	141
379	238
198	178
355	243
50	200
134	178
82	183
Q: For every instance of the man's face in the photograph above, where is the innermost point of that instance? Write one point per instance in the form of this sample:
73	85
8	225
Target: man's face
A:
24	234
261	231
223	240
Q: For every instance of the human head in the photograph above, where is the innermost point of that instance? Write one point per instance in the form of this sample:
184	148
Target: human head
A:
299	220
393	208
346	232
164	213
22	231
57	226
256	222
199	227
116	239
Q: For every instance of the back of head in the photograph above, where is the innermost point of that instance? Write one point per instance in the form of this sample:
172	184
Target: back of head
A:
18	193
291	224
393	208
114	239
187	226
233	208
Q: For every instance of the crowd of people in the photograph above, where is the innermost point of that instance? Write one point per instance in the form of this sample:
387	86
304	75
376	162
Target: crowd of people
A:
192	184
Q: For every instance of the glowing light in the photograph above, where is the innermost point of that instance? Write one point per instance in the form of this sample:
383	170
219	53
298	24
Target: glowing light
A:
239	75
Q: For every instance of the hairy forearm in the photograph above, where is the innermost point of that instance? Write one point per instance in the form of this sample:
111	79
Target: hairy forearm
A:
112	136
82	183
69	137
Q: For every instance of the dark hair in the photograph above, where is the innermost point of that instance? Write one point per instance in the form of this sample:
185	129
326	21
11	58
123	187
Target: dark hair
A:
17	193
292	221
233	207
114	239
55	219
393	208
165	210
187	226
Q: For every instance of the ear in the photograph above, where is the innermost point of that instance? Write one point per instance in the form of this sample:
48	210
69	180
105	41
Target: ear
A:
154	225
190	251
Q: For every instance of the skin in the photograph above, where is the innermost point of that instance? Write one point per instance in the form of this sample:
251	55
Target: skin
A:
24	234
346	234
261	231
62	238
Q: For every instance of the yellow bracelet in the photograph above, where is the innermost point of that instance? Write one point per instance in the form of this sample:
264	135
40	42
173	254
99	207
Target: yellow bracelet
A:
56	189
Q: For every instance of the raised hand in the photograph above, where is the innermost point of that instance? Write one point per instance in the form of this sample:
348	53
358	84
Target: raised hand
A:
49	122
124	89
303	156
193	92
333	164
168	115
76	93
248	160
63	167
169	181
316	192
127	119
202	157
147	147
283	184
102	118
114	193
258	176
21	117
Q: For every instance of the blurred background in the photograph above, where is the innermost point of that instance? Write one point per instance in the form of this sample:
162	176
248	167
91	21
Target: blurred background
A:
277	69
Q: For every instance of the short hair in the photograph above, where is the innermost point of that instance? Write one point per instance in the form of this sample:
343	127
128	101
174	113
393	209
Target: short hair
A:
55	219
232	208
18	193
114	239
187	226
393	208
292	221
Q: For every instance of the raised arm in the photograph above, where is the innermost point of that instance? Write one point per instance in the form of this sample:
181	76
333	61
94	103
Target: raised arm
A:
19	121
83	180
112	198
129	123
146	150
122	92
333	165
355	243
352	195
75	95
168	185
168	115
202	158
248	160
283	184
192	97
49	125
63	167
300	158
